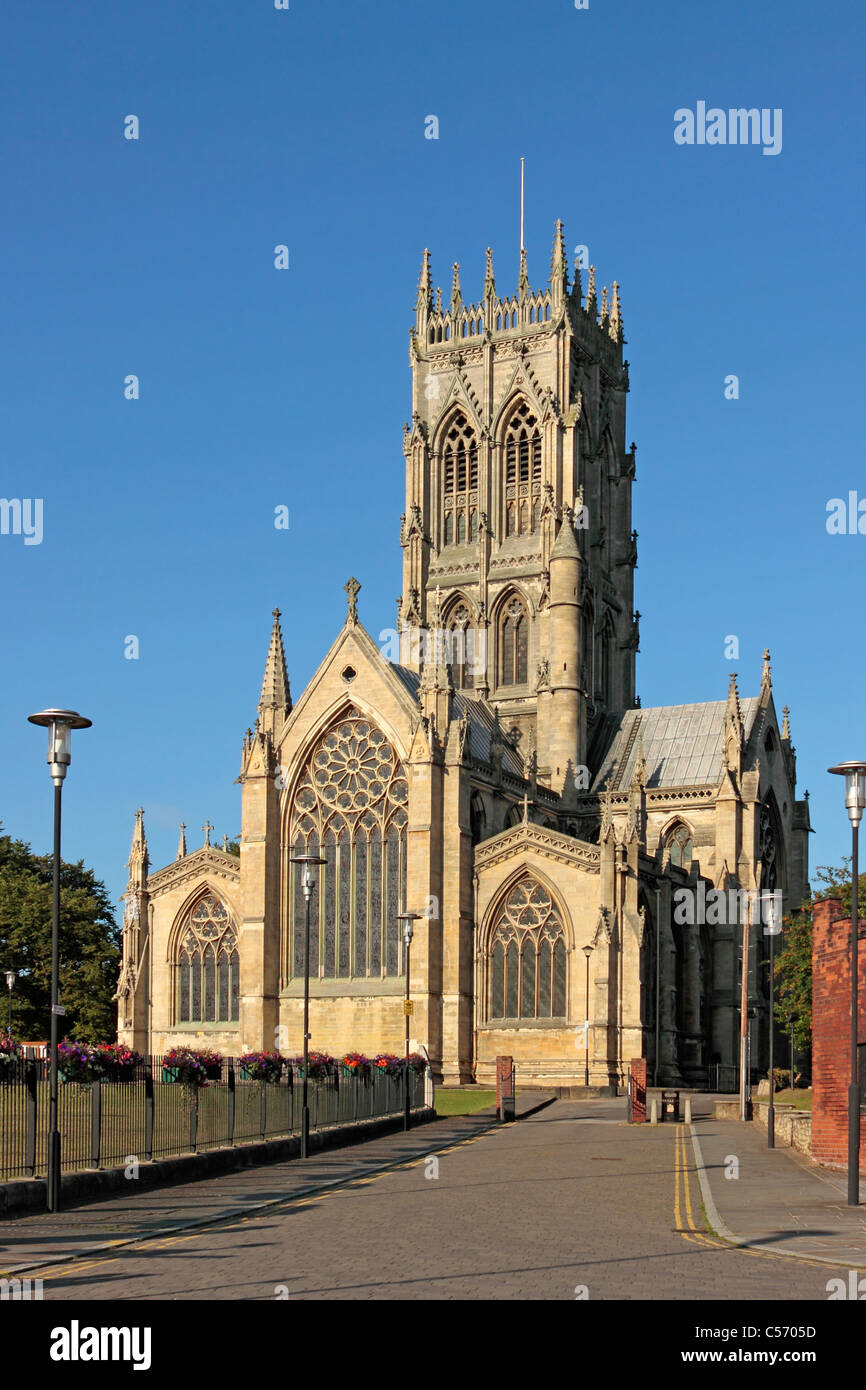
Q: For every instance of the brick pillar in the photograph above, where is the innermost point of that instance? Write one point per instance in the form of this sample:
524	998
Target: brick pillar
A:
831	1031
504	1083
638	1090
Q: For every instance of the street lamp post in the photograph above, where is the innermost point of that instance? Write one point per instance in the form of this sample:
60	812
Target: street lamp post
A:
791	1019
59	723
855	800
307	884
10	982
407	918
587	951
770	916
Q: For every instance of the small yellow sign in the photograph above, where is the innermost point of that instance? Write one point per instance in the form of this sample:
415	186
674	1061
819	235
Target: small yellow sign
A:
408	1006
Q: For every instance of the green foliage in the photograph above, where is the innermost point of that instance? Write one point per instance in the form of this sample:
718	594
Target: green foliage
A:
89	945
794	961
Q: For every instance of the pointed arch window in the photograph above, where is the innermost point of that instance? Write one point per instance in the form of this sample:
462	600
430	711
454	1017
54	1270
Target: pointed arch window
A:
513	643
207	965
462	646
527	957
352	801
522	447
459	479
680	846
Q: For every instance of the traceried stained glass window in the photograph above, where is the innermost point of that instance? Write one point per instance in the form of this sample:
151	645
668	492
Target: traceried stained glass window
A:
526	959
513	643
350	807
207	968
679	842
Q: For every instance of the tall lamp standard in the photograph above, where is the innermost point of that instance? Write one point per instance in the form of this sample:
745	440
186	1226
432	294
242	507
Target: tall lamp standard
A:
791	1021
59	723
10	984
587	951
307	884
855	800
772	927
407	918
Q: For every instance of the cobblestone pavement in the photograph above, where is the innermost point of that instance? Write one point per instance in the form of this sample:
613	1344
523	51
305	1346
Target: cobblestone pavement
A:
570	1202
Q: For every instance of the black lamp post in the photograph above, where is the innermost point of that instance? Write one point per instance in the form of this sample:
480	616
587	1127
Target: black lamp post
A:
791	1021
587	951
855	800
10	983
307	884
407	918
772	927
59	723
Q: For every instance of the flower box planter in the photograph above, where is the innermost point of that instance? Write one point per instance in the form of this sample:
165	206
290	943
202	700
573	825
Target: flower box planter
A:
214	1073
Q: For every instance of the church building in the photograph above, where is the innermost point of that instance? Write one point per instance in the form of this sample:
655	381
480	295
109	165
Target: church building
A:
489	766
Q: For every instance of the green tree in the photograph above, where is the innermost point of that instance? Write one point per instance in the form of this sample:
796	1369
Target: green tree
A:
89	945
794	960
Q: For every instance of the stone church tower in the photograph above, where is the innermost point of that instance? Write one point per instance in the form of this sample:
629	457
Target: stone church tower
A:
492	770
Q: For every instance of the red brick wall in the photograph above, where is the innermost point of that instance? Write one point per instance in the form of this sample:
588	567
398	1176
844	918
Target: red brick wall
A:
638	1090
831	1031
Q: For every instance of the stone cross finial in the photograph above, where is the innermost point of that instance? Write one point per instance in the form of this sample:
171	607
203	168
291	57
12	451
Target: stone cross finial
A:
352	589
207	828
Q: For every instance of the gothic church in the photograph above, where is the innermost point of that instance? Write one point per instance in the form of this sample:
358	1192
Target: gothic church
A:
493	771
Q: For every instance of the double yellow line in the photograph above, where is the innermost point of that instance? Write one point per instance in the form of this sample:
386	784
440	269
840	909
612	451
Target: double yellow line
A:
682	1194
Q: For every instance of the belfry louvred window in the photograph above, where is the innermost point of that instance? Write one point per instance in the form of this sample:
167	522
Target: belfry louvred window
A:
207	965
523	473
513	643
459	482
527	956
350	808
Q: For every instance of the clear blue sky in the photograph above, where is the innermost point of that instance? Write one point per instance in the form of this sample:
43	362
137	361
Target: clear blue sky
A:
261	388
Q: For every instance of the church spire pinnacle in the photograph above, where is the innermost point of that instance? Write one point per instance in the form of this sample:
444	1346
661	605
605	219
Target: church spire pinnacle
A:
456	292
523	277
591	301
766	675
615	329
275	702
425	284
181	843
489	282
558	266
138	857
786	726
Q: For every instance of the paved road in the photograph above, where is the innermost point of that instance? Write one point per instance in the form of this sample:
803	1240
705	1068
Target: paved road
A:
568	1202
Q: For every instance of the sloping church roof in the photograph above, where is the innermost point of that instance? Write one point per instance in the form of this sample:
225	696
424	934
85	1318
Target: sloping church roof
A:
682	745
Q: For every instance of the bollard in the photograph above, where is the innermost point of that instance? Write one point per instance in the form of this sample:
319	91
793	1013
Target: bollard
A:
654	1111
688	1114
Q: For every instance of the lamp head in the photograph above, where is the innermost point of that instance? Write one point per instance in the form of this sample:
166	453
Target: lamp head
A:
855	788
307	861
407	918
59	723
587	951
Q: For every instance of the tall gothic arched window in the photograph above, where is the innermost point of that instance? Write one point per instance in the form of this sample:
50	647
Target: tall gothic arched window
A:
459	482
463	646
522	472
679	844
527	956
207	965
513	644
350	807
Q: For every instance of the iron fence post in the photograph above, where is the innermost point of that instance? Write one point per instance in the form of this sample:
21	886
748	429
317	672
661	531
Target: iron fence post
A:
230	1138
263	1110
148	1111
30	1137
95	1122
193	1119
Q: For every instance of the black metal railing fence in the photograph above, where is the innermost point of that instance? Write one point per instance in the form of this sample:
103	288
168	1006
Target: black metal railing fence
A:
143	1112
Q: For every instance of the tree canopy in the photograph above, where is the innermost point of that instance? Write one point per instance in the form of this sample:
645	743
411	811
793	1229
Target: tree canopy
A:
89	945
